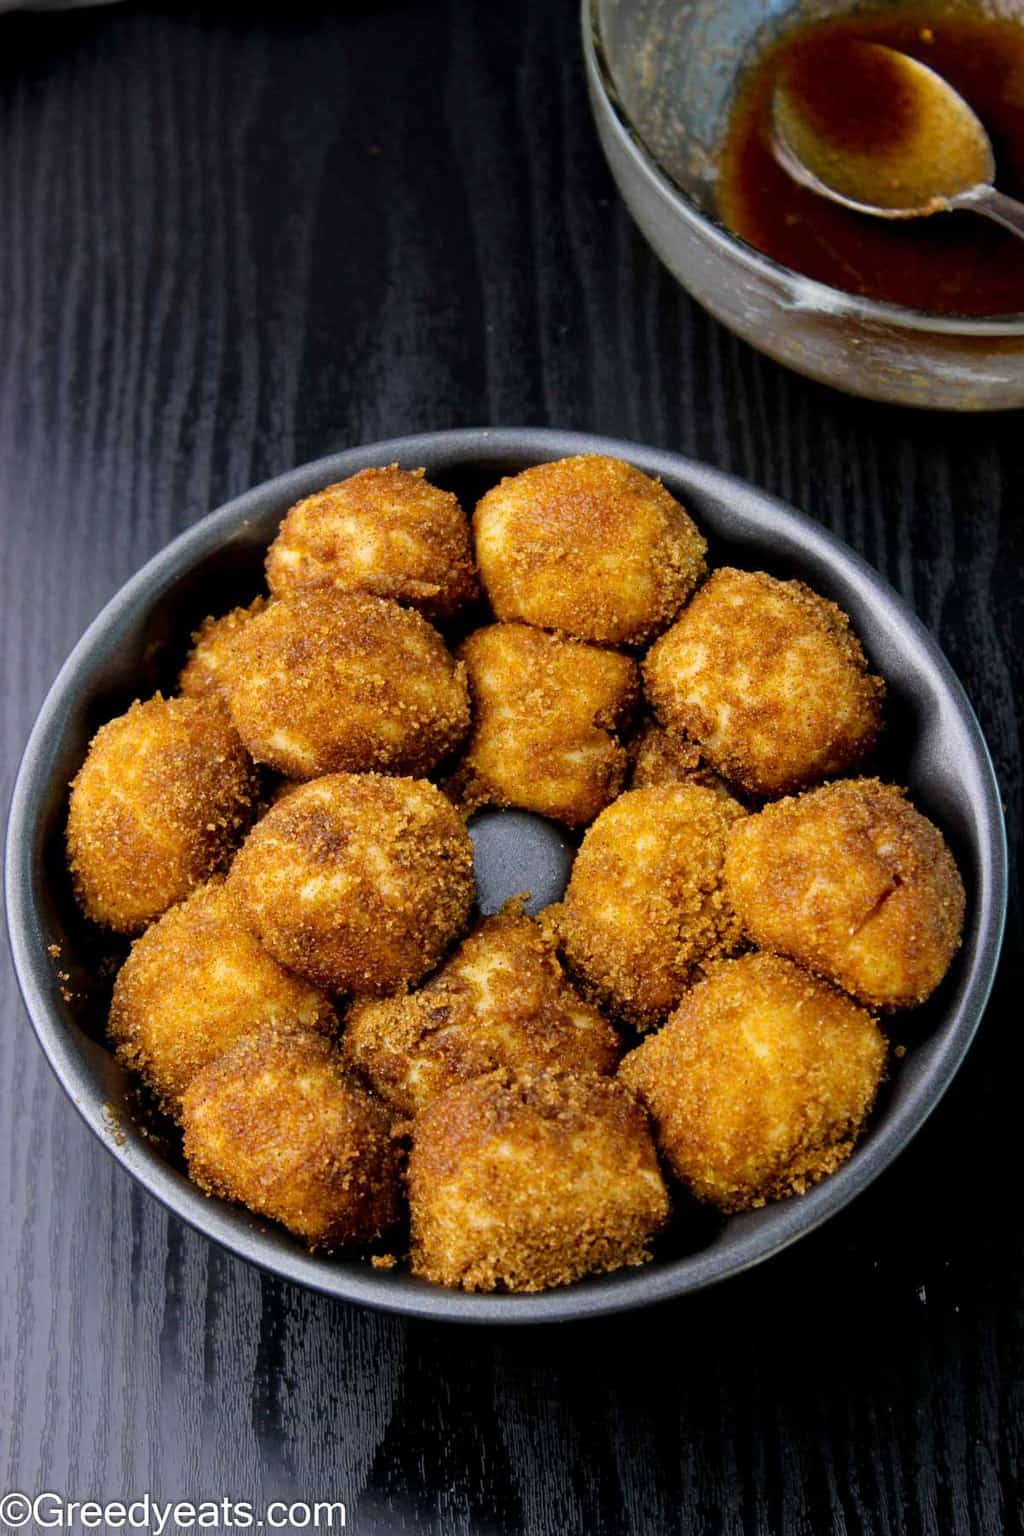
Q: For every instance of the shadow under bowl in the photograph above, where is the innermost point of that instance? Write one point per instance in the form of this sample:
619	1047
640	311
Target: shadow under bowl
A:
933	744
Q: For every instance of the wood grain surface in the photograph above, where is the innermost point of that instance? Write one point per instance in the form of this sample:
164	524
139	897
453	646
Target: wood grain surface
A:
231	244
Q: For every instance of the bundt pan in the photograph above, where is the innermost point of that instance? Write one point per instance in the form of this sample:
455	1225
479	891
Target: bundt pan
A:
932	744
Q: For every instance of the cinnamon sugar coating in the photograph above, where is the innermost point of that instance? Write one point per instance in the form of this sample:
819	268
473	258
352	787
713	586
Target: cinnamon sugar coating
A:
856	884
645	907
760	1082
164	794
546	717
357	882
194	984
501	1000
387	531
327	682
769	680
277	1124
211	645
589	546
523	1183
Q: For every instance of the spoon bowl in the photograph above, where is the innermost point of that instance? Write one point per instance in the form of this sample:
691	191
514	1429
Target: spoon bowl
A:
905	146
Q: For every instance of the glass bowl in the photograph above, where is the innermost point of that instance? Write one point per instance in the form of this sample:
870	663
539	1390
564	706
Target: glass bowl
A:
663	75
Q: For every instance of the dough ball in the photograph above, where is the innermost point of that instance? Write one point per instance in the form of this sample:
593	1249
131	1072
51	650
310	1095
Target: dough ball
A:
769	679
385	531
645	907
502	1000
194	984
276	1124
759	1083
660	757
323	682
855	883
211	643
156	808
545	714
525	1183
589	546
357	882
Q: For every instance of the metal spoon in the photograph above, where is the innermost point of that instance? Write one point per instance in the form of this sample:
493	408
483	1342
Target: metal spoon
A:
943	160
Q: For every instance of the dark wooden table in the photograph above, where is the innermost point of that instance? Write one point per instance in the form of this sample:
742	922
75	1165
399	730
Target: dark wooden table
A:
227	246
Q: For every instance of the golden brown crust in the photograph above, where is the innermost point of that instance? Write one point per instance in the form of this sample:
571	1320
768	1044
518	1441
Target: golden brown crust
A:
589	546
325	682
645	908
211	644
545	716
387	531
760	1082
532	1164
501	1000
531	1182
358	882
276	1124
156	808
194	984
854	883
658	756
769	679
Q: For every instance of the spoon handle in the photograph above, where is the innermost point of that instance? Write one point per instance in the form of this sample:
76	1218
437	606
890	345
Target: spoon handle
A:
994	205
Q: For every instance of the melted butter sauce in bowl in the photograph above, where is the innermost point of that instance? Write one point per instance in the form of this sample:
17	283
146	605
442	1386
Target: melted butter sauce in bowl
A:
947	263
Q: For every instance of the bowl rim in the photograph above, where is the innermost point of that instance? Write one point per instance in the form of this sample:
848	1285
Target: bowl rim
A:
624	1290
813	293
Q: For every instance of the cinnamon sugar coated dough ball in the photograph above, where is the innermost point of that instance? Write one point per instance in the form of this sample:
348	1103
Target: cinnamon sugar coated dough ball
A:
357	882
645	906
525	1183
502	1000
276	1124
386	531
759	1083
211	643
855	883
589	546
156	808
194	984
769	679
659	756
324	682
545	716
